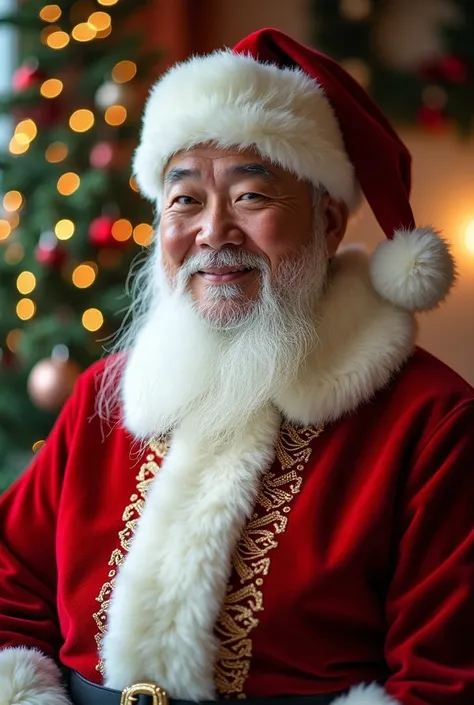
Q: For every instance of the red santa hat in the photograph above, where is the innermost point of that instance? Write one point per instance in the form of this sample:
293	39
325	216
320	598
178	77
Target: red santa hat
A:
301	110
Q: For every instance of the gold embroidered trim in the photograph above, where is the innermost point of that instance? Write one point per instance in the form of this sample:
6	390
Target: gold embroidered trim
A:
252	563
130	516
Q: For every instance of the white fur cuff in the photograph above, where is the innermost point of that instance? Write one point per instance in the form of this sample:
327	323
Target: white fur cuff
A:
28	677
366	695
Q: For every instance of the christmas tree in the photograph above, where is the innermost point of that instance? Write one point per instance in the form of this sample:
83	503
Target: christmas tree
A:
71	220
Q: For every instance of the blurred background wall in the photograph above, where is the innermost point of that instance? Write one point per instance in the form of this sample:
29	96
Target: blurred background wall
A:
443	164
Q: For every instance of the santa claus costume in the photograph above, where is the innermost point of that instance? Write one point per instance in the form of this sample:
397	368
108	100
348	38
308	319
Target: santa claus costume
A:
327	549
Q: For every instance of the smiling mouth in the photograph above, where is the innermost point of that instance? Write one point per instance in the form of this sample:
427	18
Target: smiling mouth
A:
224	274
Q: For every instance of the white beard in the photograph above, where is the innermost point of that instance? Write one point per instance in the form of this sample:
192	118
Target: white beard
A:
188	363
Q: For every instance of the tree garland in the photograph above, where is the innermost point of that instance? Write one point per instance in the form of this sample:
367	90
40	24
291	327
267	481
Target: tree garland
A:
416	59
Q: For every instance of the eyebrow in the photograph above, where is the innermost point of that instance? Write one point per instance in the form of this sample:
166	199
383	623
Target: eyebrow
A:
178	174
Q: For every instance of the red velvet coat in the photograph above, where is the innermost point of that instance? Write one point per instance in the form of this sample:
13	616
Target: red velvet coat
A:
356	566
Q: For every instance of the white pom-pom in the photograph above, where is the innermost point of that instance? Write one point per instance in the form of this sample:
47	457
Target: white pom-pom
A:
414	271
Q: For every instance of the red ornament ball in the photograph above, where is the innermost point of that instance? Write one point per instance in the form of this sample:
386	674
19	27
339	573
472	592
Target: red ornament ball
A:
51	382
102	155
100	232
27	76
49	251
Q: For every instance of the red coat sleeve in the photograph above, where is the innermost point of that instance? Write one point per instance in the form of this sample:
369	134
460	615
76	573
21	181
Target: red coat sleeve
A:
430	606
28	513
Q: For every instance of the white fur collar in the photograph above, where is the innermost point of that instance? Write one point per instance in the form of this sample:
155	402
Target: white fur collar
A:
363	341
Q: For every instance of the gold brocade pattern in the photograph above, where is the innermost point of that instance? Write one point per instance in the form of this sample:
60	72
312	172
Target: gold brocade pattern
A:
251	561
130	516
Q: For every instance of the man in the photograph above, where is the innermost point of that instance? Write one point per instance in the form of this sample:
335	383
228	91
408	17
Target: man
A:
267	490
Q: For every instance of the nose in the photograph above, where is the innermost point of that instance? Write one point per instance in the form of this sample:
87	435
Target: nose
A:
218	227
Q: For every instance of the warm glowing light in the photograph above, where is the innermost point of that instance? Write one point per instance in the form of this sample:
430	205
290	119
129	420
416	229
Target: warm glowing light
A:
81	120
13	339
92	319
26	131
68	183
107	3
13	218
99	21
26	282
142	234
14	253
51	88
104	33
56	152
18	147
25	309
84	32
5	229
469	236
84	275
115	115
124	71
12	200
58	40
36	446
122	230
64	229
50	13
47	32
133	184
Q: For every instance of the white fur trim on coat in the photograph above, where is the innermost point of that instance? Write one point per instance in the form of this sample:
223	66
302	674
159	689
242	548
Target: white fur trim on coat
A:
232	99
363	341
414	270
28	677
171	587
371	694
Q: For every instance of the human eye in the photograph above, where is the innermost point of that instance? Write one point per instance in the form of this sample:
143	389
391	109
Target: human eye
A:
183	200
251	196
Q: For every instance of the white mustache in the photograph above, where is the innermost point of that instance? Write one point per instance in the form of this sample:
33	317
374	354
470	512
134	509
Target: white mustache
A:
222	258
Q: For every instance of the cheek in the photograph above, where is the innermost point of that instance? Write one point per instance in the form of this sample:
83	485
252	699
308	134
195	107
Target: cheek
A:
175	243
279	236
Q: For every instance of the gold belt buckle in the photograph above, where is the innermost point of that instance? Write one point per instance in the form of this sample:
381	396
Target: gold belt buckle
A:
130	694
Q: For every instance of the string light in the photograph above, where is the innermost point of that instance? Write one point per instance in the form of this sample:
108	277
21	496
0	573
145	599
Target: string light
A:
124	71
26	131
12	200
17	147
107	3
5	229
14	253
115	115
25	309
133	184
122	230
92	319
81	120
13	339
50	13
469	236
56	152
64	229
142	234
26	282
99	21
104	33
58	40
37	445
84	32
51	88
84	275
68	183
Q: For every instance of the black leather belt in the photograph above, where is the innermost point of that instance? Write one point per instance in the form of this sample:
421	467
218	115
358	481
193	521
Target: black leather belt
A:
83	692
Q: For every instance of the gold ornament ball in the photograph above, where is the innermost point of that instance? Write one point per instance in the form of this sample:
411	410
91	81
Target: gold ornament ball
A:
51	382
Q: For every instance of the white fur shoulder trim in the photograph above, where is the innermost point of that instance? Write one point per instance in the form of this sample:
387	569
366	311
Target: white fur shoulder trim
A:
372	694
363	341
28	677
171	587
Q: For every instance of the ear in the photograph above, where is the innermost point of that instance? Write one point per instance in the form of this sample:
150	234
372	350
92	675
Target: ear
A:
336	214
